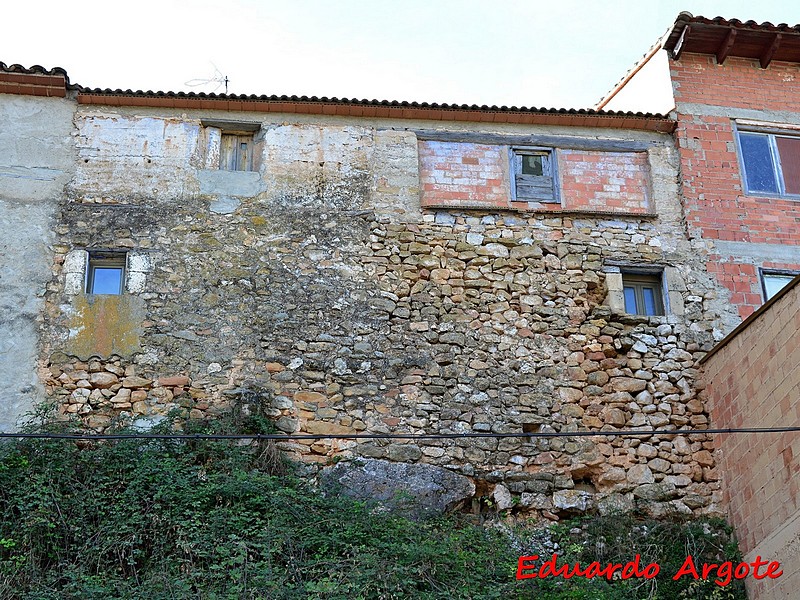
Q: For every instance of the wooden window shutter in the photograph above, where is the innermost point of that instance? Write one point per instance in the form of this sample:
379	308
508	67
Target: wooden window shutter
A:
531	186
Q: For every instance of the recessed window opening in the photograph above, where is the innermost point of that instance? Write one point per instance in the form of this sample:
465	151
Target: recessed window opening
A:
534	175
642	294
532	164
235	152
106	273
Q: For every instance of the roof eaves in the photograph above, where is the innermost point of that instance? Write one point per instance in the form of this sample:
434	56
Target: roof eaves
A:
373	108
687	18
34	70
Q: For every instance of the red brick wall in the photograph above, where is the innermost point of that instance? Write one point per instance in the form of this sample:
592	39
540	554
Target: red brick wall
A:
738	82
468	175
33	84
464	175
605	181
716	206
754	381
743	280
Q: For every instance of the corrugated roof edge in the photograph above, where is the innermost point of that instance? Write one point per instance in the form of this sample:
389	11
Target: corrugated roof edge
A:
628	75
87	91
366	102
34	70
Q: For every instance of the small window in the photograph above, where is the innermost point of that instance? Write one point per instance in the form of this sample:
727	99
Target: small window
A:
534	175
106	273
771	163
232	145
236	152
774	282
642	294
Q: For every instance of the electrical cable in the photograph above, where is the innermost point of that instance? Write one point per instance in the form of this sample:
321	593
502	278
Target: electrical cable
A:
389	436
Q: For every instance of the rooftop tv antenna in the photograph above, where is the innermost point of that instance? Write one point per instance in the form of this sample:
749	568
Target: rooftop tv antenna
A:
217	78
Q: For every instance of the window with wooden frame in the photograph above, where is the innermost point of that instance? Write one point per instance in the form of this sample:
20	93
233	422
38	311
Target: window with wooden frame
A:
105	273
643	293
236	151
534	175
232	145
770	162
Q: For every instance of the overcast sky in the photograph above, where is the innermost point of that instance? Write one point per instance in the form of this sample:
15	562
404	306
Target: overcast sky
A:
566	53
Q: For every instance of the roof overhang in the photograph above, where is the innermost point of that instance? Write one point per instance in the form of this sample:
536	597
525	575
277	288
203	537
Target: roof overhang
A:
724	38
379	109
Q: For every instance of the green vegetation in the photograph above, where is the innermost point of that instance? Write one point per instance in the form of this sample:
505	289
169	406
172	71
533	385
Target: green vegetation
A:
619	539
155	519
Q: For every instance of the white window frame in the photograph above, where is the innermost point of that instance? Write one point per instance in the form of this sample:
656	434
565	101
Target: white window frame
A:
616	273
771	133
105	260
638	280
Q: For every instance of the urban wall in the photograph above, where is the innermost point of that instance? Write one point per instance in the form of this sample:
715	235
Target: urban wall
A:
747	233
753	381
314	288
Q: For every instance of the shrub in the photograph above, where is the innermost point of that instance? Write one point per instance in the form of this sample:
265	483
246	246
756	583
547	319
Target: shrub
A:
166	519
201	519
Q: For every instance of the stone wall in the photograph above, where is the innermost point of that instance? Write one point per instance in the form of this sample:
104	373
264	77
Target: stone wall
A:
752	380
315	290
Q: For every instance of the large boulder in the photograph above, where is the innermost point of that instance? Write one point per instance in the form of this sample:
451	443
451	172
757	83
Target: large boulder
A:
411	489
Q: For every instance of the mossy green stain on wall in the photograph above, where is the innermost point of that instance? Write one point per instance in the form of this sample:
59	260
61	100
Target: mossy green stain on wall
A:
103	325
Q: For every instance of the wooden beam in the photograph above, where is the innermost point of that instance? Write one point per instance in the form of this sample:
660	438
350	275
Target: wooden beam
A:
617	88
726	46
541	141
676	52
767	57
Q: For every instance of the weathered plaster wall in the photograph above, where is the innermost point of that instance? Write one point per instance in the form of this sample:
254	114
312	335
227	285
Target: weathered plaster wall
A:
316	289
742	232
753	381
126	158
36	161
122	159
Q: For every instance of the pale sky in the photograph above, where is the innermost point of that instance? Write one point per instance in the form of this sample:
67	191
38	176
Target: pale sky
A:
567	53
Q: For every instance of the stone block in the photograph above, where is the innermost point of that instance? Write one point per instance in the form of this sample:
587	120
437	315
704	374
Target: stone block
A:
416	490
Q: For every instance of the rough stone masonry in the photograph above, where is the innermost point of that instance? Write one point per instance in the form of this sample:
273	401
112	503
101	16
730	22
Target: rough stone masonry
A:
317	289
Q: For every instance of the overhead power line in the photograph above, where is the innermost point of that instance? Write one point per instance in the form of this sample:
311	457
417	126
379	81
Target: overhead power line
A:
388	436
